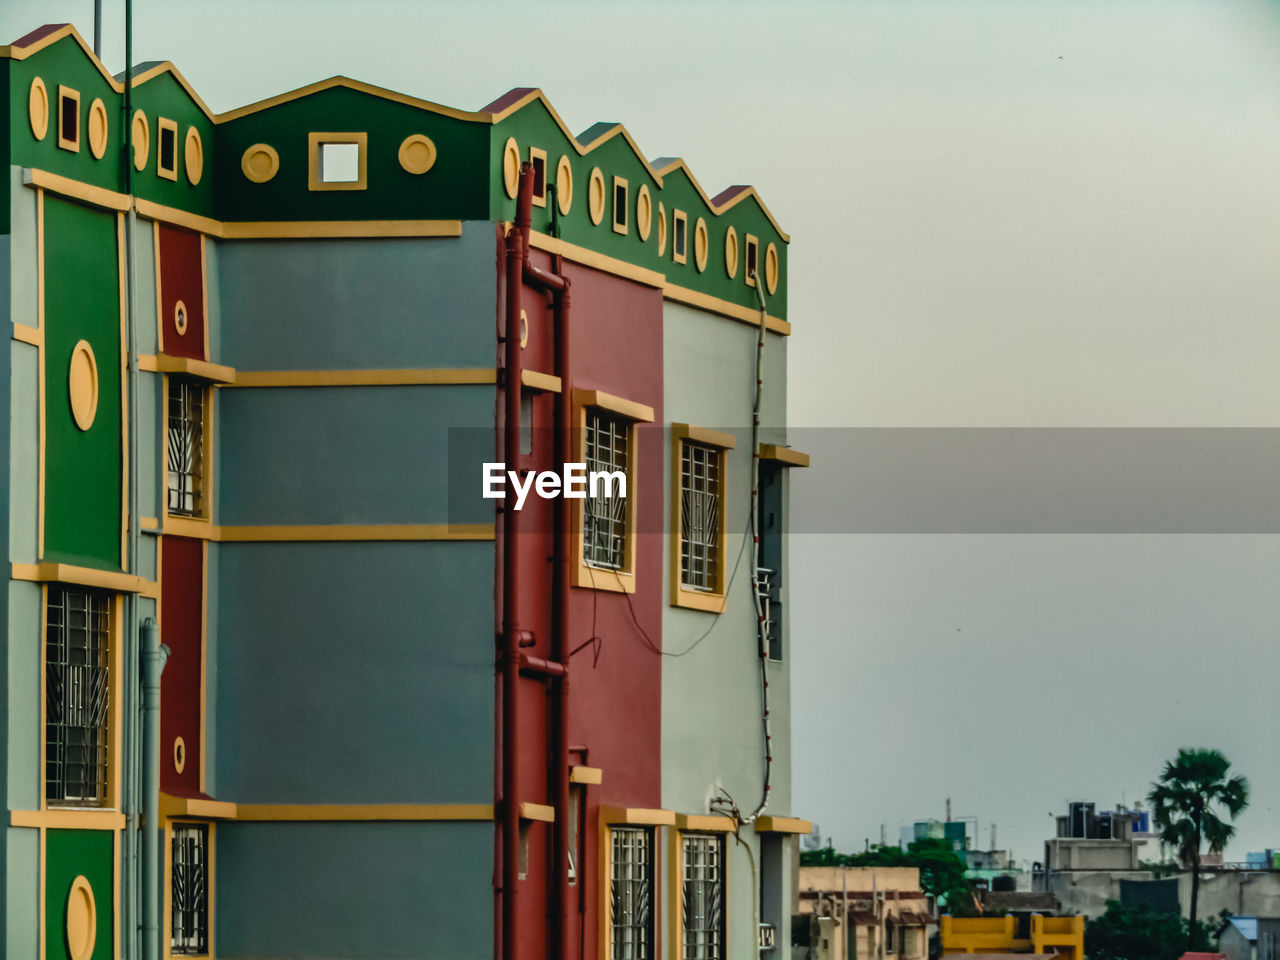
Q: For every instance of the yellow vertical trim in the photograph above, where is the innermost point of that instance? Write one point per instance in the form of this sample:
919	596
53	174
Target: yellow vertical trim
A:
40	322
115	891
204	654
206	472
675	866
166	896
605	890
44	719
126	466
115	641
43	868
204	291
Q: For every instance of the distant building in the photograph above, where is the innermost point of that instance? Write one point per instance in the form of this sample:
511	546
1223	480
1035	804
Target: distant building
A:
1250	938
1000	936
861	912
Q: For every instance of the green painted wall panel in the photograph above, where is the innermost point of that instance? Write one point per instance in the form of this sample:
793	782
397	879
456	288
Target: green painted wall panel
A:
368	890
69	854
21	892
83	468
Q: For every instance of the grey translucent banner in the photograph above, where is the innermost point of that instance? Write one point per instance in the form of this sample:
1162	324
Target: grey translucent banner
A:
978	480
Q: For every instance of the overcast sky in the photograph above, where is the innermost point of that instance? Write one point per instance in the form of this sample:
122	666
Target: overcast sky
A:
1004	215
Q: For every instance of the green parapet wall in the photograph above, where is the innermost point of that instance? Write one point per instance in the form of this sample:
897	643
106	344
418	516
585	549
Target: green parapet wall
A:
533	125
453	188
83	468
79	853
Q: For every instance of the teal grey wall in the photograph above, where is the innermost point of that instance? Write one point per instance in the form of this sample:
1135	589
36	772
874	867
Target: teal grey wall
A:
354	304
346	454
369	890
711	706
355	672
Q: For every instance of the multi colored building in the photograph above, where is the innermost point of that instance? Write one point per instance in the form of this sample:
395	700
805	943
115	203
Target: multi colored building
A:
258	361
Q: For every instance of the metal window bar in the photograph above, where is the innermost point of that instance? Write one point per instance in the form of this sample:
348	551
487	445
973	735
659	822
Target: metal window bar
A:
703	897
77	696
604	541
699	516
631	893
186	447
190	889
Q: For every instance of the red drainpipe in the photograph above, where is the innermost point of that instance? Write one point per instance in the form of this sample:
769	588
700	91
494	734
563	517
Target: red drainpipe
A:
511	584
520	270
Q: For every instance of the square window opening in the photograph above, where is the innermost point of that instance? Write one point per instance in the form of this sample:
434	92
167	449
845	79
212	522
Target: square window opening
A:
68	119
339	162
679	236
167	154
77	696
621	195
189	889
538	158
753	259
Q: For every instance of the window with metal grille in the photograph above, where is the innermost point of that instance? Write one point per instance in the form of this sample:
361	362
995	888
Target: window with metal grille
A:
700	467
190	889
186	447
703	858
77	696
604	526
631	893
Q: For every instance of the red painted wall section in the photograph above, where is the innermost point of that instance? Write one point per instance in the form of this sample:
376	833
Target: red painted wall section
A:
615	685
181	623
181	279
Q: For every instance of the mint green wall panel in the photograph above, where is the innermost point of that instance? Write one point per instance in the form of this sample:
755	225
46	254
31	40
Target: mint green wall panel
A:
21	892
23	779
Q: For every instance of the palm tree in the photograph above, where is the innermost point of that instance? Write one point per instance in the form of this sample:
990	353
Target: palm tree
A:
1183	805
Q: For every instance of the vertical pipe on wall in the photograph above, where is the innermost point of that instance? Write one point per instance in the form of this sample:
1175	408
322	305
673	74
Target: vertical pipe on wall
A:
130	736
510	570
154	655
560	934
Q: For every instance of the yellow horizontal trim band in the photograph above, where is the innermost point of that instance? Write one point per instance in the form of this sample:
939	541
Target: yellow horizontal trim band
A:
725	308
705	823
171	806
546	382
586	775
794	458
179	218
698	600
192	527
203	369
364	378
537	811
76	190
83	576
597	261
638	815
712	438
607	401
783	825
64	819
148	523
361	86
384	531
26	334
302	229
364	811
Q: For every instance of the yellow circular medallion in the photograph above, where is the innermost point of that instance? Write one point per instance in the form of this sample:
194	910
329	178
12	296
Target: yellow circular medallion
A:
194	155
511	167
595	196
82	385
140	134
38	108
82	920
417	153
